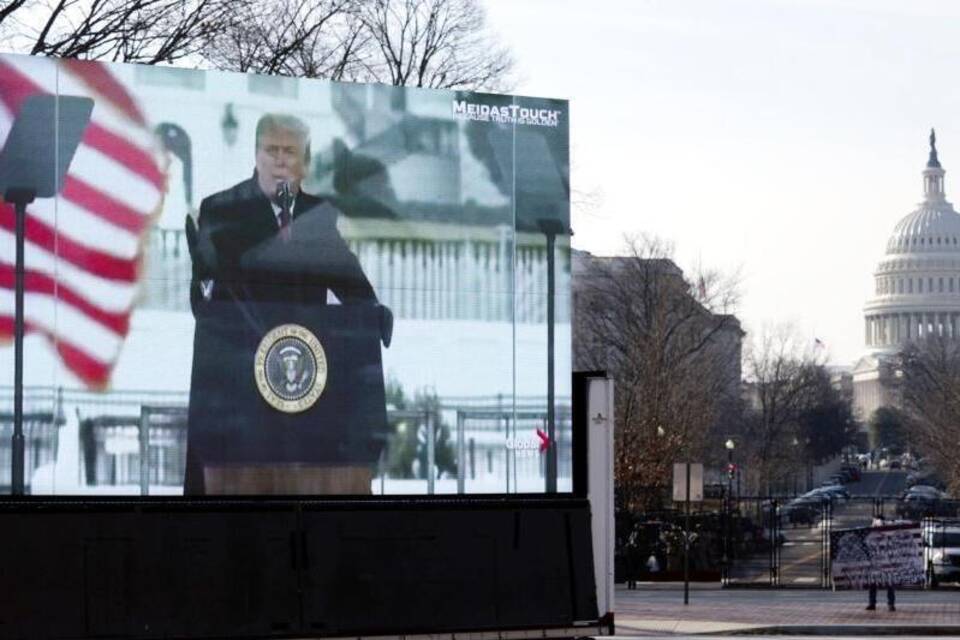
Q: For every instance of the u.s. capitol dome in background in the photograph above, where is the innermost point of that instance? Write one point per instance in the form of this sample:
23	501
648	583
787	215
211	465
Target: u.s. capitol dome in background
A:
916	292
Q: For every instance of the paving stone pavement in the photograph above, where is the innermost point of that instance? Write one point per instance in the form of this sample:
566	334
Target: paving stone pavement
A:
712	610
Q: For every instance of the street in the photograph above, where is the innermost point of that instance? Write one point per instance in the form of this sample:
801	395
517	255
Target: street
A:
801	555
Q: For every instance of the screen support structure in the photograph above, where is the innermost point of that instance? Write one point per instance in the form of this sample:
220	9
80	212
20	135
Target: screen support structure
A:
551	227
20	198
35	158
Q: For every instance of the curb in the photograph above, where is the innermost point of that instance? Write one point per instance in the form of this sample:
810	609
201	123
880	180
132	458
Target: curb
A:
867	630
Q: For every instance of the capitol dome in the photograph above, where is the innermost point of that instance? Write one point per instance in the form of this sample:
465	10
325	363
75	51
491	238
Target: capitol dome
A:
917	283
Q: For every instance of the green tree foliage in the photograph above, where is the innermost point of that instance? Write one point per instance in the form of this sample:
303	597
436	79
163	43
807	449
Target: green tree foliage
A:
827	425
796	416
407	448
888	428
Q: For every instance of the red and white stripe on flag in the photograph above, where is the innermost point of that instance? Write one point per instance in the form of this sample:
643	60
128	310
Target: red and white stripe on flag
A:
82	249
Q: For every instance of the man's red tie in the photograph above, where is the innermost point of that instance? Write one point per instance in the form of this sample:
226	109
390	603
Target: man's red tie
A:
284	223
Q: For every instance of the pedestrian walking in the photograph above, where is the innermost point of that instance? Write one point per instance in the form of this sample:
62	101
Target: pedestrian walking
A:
653	566
633	557
872	590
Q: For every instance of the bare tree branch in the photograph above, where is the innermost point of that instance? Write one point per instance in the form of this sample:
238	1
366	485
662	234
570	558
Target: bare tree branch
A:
929	374
675	362
425	43
432	43
147	31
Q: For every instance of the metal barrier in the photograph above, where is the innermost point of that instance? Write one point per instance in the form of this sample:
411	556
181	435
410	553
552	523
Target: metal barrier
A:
482	444
777	542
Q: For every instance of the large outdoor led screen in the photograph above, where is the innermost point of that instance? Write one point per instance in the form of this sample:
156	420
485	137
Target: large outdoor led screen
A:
247	285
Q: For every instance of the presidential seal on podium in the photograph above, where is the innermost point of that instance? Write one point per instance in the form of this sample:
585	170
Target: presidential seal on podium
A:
290	367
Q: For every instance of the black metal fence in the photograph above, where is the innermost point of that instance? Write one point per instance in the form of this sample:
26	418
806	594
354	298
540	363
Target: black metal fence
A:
776	542
135	442
42	419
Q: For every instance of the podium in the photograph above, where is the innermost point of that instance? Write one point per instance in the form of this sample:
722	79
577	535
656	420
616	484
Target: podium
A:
287	393
239	443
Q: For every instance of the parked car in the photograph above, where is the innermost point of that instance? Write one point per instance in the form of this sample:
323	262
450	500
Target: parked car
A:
853	471
941	550
925	490
802	512
806	509
915	506
895	464
836	478
925	502
834	492
924	477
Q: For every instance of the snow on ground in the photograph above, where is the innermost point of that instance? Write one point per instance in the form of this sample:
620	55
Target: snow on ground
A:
454	358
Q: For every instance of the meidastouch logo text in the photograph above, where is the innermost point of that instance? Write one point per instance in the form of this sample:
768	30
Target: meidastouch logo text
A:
507	114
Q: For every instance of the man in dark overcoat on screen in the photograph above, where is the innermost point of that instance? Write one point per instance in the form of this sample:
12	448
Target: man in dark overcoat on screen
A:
233	222
237	225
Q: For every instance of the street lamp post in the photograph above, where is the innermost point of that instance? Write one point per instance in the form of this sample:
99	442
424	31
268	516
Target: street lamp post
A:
730	548
796	445
730	446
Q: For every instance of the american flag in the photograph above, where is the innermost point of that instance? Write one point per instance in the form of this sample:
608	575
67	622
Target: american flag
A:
83	249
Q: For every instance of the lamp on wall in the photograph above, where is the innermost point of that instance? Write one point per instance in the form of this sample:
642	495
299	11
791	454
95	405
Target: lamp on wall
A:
229	125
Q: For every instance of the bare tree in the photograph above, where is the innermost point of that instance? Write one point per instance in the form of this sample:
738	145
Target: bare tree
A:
930	392
307	38
441	44
425	43
147	31
795	416
673	349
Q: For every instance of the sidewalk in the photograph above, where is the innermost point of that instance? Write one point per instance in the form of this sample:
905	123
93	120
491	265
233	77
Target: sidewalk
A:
659	610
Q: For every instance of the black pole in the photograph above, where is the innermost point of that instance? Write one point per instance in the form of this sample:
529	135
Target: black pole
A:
17	470
686	542
730	472
551	227
728	545
551	417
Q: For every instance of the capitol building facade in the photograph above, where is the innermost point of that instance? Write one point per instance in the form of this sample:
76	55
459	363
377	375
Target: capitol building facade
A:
916	292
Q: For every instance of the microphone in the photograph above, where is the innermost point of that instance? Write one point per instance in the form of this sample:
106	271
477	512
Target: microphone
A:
283	195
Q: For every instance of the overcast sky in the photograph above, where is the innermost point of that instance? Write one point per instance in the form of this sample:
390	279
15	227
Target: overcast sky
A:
785	138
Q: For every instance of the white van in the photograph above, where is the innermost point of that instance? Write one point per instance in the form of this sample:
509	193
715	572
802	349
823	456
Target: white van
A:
941	551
